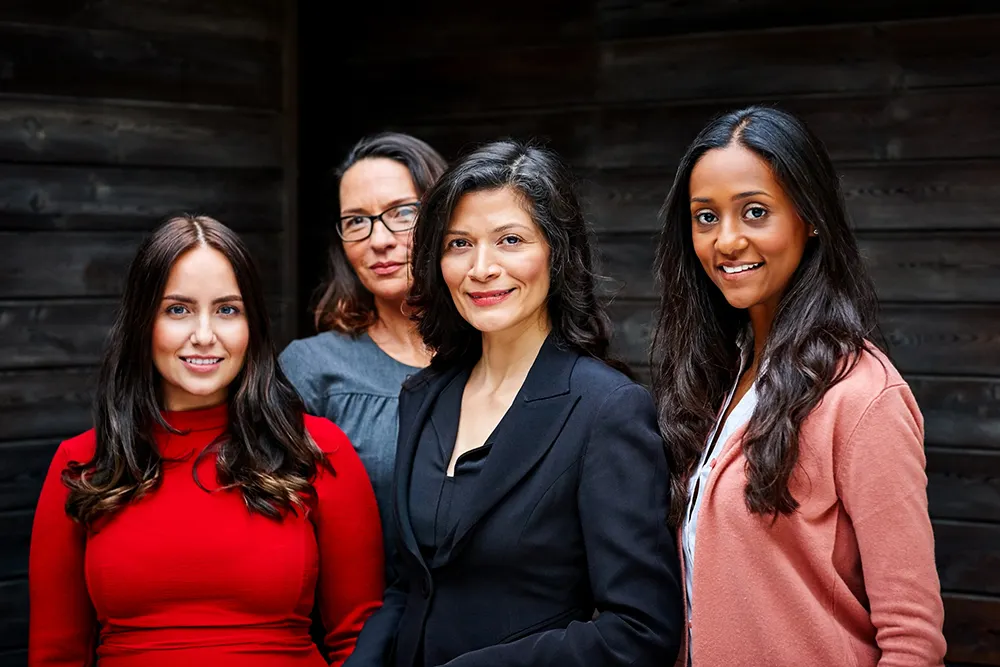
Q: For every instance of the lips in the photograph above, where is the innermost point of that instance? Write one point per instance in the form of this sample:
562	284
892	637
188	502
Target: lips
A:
385	268
733	271
491	297
202	364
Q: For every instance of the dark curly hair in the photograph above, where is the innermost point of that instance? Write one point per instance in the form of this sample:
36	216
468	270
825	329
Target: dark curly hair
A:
343	303
579	320
266	452
822	324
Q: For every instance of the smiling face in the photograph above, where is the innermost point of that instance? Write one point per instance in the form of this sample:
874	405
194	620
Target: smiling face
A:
496	263
200	334
745	229
370	187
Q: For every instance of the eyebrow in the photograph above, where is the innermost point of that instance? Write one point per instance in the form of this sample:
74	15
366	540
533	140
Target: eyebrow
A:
186	299
495	230
395	202
737	197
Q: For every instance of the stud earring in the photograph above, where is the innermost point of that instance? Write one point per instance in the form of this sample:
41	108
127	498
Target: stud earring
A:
815	232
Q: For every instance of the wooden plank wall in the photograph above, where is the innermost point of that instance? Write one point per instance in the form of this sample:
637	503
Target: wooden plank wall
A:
906	96
114	114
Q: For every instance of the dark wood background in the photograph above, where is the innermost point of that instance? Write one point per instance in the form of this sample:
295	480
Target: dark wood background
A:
113	115
905	94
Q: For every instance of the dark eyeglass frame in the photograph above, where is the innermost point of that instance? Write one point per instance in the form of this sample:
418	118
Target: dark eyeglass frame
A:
371	222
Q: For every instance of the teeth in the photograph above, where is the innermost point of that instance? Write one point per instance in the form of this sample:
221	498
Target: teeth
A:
741	267
202	362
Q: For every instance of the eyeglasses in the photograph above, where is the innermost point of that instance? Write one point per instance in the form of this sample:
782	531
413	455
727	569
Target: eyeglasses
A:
398	218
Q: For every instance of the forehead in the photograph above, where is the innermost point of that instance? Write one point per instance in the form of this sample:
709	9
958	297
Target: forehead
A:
373	182
732	169
202	271
490	208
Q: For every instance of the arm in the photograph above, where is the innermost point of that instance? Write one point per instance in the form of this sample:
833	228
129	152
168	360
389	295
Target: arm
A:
380	630
623	499
883	486
62	630
350	546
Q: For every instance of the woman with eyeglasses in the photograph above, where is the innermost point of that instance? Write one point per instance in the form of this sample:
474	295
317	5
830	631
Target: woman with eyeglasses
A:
352	370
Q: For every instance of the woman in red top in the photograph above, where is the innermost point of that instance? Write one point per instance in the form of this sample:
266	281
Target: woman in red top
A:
203	517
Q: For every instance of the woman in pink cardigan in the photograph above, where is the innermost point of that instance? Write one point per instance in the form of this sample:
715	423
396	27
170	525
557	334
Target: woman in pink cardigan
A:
799	490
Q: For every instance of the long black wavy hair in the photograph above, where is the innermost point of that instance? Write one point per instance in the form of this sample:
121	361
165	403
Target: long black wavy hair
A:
266	453
826	314
579	320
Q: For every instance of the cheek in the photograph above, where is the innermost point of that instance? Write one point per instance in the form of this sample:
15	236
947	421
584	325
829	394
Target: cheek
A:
531	268
453	270
355	253
235	337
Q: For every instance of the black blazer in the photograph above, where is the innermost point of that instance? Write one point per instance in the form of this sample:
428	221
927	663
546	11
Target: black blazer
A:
571	516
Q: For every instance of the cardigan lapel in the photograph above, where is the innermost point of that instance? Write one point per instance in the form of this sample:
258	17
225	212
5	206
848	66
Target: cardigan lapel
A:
529	429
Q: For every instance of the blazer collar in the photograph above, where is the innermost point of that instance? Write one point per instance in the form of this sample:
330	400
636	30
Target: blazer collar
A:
531	425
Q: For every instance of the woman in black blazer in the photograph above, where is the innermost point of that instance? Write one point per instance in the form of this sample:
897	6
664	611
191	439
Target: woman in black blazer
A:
531	485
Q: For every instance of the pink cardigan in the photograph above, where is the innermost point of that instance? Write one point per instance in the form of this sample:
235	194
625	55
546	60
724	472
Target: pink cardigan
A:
848	580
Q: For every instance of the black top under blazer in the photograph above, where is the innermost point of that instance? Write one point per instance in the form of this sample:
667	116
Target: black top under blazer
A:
569	517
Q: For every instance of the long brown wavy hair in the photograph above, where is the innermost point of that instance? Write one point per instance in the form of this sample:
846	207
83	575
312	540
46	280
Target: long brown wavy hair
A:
266	452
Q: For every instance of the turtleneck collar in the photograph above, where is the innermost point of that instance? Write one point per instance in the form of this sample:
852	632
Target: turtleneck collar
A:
202	419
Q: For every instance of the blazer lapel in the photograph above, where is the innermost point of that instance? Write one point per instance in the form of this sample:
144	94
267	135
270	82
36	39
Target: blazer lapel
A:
414	411
528	431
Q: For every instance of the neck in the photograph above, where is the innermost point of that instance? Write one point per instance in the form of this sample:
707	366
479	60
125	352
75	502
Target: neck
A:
509	354
761	319
395	326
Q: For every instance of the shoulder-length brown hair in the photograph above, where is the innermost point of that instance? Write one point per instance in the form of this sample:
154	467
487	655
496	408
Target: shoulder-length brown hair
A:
344	304
266	453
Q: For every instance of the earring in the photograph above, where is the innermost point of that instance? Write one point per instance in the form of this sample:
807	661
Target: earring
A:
815	232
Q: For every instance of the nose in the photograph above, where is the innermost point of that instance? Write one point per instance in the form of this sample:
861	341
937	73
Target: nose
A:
483	268
203	333
382	238
730	239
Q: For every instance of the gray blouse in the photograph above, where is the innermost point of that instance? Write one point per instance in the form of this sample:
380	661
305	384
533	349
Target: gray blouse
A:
356	385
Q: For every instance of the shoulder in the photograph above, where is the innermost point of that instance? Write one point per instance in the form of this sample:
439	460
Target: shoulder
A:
324	345
328	436
592	378
871	375
80	448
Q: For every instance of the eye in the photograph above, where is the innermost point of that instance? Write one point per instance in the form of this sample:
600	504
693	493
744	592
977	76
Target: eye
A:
458	243
510	239
706	217
176	310
229	310
353	222
755	212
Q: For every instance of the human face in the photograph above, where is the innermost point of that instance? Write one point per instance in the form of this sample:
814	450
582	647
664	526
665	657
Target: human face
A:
381	261
745	229
200	335
496	263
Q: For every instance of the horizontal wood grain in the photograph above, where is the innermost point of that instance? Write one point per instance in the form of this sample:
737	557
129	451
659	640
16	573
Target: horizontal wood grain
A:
102	133
256	19
859	58
23	466
16	529
879	195
45	403
963	484
45	198
619	19
972	628
114	64
94	263
13	613
946	123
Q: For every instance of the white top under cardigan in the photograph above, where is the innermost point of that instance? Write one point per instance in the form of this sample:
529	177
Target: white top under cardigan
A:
738	417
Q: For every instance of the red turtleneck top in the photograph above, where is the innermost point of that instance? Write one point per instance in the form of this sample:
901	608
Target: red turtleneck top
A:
189	578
